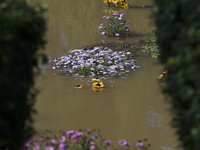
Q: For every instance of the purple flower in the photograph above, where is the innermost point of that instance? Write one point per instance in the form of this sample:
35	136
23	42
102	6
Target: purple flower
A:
116	34
128	22
100	27
116	17
126	26
120	18
92	147
70	132
102	33
77	134
107	17
122	142
92	143
115	14
53	141
36	147
49	148
62	139
104	16
62	146
140	144
107	142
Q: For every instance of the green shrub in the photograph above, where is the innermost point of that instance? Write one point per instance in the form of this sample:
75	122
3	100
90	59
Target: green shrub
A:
22	29
178	38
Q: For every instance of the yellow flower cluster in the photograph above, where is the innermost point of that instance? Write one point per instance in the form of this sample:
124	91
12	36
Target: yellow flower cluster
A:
120	3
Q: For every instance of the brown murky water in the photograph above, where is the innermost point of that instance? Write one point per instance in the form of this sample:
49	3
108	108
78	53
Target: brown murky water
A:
133	111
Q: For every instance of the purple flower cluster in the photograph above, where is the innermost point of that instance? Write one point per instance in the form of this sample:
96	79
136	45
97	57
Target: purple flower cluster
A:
116	27
70	140
97	62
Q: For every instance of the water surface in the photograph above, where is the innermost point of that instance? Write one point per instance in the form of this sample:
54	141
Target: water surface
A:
133	111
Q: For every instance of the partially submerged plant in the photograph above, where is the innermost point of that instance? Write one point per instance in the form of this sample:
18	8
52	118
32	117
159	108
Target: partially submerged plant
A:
97	62
117	3
78	140
116	27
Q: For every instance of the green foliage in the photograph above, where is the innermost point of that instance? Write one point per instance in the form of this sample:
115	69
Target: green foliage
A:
178	37
22	29
154	31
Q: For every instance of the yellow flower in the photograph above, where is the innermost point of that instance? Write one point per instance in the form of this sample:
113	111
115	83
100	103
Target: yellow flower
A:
165	72
161	76
115	1
78	86
96	79
125	6
97	91
98	85
114	86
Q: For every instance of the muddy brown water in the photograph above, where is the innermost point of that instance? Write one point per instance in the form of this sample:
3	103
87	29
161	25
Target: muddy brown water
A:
132	111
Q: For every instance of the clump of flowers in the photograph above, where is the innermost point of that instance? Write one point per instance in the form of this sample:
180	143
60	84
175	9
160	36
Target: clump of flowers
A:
97	62
117	3
77	140
116	27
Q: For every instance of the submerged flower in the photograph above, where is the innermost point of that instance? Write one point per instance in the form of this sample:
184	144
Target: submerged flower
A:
78	86
92	147
63	146
70	132
107	142
62	139
122	142
139	143
49	148
98	85
96	79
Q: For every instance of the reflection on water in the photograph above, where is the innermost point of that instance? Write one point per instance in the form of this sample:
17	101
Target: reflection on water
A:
132	111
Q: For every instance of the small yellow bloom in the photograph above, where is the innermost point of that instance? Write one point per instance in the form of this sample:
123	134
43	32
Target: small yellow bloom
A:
160	76
114	86
96	79
115	1
98	85
165	72
78	86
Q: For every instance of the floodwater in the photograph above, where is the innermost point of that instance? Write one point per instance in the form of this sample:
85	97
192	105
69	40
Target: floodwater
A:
133	111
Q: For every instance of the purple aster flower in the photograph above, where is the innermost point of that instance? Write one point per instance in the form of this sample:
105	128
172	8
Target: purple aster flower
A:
53	141
126	26
70	132
62	139
36	147
122	142
62	146
107	142
128	22
104	16
49	148
115	14
92	147
100	27
139	143
116	34
94	136
107	17
120	18
102	33
116	17
92	143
